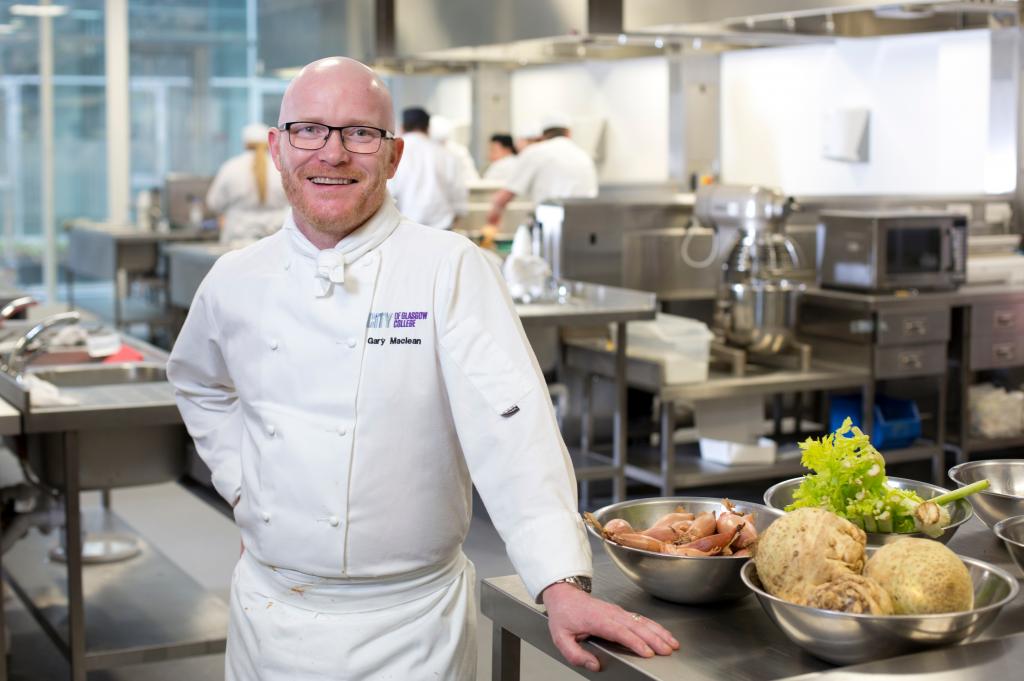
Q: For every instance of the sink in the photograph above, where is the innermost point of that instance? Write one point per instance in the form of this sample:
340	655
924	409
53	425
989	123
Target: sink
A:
102	374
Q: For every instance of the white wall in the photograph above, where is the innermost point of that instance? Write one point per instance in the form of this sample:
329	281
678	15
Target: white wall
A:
929	98
450	96
631	96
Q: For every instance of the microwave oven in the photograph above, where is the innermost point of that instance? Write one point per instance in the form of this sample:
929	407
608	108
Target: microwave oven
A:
881	251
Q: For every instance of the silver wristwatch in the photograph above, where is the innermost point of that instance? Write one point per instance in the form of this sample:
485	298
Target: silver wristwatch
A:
581	582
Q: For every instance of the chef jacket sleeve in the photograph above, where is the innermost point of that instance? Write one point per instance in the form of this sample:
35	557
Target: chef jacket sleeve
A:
521	178
458	191
206	394
506	424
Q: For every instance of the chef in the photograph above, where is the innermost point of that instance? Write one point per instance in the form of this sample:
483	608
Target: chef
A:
554	168
247	191
430	187
346	379
502	155
441	131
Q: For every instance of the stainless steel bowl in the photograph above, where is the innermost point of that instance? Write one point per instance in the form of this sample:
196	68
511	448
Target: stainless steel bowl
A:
762	314
780	496
1011	531
843	638
1005	496
678	578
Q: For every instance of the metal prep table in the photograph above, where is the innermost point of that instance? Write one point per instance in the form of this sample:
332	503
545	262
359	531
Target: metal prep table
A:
145	608
738	641
581	305
10	424
985	326
122	253
597	305
593	357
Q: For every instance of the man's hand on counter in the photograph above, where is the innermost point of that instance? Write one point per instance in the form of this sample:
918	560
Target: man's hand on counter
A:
574	616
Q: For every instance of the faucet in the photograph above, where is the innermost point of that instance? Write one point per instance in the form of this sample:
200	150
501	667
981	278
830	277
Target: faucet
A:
17	305
17	358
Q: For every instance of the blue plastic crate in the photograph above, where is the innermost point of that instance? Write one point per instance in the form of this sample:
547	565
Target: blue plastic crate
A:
897	421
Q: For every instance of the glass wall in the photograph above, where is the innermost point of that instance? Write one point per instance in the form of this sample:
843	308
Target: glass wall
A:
194	84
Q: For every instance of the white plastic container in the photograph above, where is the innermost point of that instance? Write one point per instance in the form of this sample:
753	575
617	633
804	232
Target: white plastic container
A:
738	453
681	345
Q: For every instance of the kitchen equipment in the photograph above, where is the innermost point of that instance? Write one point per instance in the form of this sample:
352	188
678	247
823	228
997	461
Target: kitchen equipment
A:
887	250
780	495
1011	531
757	299
1005	496
678	578
844	638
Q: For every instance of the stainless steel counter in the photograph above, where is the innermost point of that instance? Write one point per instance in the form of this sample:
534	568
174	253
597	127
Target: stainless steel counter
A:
988	660
582	304
731	641
965	295
10	419
120	252
187	266
586	304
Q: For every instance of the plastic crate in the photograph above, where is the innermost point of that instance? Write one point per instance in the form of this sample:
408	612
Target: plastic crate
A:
897	422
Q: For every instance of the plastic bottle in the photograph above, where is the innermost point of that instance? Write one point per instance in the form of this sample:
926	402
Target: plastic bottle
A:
195	212
143	202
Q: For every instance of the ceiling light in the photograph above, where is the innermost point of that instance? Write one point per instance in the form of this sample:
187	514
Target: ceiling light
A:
697	43
623	39
659	43
38	10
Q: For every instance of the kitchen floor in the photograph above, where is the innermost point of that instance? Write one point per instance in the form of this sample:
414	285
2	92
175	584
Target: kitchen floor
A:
204	543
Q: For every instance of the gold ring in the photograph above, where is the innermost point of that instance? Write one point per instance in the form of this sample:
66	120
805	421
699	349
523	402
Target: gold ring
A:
636	617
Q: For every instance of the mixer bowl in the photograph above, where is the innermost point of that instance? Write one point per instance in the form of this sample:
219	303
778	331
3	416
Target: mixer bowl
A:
762	314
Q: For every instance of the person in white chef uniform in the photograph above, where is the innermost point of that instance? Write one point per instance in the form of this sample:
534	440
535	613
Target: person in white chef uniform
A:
430	186
247	192
554	168
346	380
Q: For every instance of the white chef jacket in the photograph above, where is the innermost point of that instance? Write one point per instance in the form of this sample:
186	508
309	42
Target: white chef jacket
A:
466	162
346	413
429	186
501	169
233	194
553	169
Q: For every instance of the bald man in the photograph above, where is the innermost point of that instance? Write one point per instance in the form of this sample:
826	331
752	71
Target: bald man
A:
347	380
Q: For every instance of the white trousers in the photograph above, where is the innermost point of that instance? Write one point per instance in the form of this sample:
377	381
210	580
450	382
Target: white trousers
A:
287	627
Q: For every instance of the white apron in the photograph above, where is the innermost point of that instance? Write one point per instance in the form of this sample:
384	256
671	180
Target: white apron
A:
286	626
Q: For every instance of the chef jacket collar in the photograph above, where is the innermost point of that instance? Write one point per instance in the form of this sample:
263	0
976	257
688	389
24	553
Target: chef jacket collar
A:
331	262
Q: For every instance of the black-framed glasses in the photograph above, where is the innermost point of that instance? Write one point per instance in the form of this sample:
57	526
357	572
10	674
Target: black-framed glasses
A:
358	139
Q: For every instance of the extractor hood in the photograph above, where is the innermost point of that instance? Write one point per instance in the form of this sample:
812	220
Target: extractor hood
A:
846	18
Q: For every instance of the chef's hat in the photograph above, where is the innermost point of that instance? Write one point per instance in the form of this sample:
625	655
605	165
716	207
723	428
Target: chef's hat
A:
254	133
440	128
555	119
528	130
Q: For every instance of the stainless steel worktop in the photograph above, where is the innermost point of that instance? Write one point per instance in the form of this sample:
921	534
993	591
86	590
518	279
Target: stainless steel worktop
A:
734	641
100	249
584	304
1001	658
187	266
965	295
590	305
10	419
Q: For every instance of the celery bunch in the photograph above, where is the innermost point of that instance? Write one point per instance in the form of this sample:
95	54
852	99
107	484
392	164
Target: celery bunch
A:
849	480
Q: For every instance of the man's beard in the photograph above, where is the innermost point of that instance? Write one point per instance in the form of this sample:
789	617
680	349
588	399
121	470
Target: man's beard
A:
339	225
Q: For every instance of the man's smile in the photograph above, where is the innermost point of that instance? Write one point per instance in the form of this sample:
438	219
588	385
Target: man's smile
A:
332	180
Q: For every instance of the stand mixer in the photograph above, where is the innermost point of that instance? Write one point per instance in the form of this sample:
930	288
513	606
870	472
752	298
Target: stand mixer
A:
757	300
